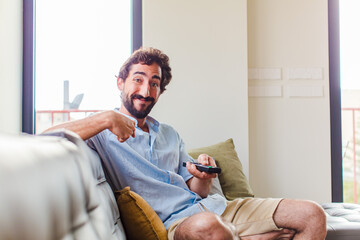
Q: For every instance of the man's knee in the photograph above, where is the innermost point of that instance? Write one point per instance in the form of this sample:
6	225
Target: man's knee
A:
313	212
205	226
301	215
316	219
317	214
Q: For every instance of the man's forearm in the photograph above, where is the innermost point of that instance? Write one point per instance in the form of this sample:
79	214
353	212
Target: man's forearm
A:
202	181
87	127
200	186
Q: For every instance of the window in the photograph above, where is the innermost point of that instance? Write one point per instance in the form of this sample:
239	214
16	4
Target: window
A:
79	47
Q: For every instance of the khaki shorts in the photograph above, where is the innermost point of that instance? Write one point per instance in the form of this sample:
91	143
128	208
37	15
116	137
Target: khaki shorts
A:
249	215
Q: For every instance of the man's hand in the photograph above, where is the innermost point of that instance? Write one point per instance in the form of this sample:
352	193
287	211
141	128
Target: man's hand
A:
121	126
203	159
202	181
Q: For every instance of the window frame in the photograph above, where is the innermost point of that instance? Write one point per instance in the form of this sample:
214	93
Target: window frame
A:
28	109
28	67
335	101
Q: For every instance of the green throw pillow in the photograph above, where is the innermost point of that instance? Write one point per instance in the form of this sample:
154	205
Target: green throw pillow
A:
232	179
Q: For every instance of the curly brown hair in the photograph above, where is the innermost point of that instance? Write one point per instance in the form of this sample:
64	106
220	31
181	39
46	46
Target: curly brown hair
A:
148	56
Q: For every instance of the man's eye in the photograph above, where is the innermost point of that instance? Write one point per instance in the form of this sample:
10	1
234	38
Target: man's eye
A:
154	84
137	79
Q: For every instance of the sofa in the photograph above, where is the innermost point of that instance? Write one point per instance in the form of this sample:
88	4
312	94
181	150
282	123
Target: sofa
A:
54	187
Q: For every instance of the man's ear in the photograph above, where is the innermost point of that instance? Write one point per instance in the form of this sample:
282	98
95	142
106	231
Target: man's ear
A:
120	83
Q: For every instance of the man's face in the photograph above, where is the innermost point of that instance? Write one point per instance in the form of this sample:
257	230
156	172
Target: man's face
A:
141	89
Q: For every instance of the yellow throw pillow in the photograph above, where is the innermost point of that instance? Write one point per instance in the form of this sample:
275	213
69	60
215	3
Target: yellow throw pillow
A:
232	179
139	219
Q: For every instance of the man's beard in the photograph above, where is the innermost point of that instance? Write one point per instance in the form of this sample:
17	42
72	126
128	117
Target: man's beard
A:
129	105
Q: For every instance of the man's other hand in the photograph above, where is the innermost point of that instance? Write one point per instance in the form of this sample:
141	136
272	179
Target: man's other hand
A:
203	159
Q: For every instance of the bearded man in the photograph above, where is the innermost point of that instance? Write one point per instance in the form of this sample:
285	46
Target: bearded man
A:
138	151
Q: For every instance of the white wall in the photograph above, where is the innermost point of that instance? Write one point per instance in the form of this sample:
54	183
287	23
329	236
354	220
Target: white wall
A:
10	65
289	136
206	42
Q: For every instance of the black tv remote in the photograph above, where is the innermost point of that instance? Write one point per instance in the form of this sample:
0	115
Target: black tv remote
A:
203	168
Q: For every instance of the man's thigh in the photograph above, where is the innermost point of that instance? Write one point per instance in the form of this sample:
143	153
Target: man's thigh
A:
249	215
252	216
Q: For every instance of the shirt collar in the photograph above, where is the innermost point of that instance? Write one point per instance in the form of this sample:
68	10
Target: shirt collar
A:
152	123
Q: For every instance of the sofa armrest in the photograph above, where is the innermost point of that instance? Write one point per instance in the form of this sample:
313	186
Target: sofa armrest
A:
49	190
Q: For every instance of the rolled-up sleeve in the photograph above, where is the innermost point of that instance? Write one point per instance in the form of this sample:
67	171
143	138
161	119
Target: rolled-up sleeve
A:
184	157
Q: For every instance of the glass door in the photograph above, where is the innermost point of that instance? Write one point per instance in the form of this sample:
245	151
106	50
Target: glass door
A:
350	97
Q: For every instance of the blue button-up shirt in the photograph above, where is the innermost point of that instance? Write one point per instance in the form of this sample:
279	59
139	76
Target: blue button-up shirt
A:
151	164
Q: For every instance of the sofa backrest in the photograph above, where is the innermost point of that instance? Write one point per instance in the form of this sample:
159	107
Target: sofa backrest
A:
53	187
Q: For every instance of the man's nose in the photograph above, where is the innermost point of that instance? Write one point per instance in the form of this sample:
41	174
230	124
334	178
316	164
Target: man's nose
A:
145	90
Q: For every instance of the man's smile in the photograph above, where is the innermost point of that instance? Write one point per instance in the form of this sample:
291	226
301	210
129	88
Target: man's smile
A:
142	99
